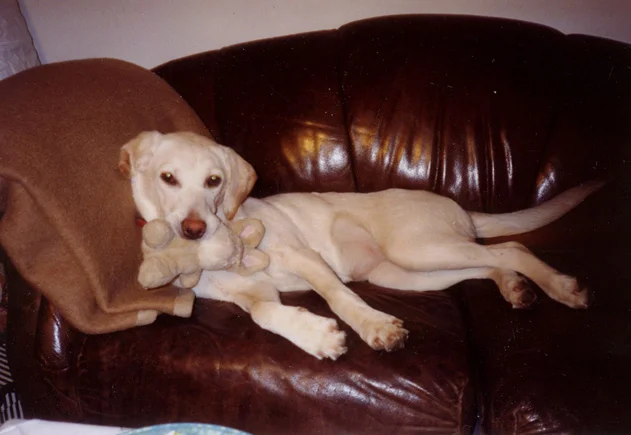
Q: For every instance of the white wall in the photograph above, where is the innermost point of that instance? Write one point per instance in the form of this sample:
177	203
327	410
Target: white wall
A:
149	32
16	46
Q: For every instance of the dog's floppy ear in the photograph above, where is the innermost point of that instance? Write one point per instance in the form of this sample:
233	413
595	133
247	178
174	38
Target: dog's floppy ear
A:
136	154
241	179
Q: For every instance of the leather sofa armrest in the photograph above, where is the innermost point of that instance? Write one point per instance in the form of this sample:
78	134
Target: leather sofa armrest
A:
41	345
34	326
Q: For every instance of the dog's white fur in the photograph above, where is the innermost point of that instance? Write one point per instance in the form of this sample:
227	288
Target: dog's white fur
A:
402	239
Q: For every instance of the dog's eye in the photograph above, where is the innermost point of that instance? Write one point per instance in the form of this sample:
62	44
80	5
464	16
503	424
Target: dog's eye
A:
213	181
169	178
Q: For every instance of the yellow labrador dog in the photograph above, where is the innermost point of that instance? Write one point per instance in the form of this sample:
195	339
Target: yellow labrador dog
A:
402	239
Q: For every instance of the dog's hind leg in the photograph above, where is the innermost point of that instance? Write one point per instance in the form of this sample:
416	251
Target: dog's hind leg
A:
513	287
511	255
379	330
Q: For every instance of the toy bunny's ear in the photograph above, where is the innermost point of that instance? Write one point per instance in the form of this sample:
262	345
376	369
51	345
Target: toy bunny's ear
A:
253	261
250	231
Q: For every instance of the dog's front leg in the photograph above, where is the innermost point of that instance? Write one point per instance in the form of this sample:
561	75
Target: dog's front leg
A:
316	335
379	330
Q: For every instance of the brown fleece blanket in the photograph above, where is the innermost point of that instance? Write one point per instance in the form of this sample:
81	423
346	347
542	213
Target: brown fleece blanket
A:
68	224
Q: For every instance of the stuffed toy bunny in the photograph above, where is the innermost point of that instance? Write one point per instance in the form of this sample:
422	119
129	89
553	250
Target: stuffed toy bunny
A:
168	257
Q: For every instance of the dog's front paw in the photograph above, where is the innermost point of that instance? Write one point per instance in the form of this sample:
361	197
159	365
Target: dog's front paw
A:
321	336
318	336
332	343
383	332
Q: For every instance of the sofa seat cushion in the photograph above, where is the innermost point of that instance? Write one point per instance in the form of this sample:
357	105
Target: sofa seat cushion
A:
222	368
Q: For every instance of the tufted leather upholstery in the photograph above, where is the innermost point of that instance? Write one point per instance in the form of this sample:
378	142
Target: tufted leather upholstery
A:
496	114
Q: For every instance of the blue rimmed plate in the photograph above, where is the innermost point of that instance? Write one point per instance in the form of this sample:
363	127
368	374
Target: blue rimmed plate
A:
184	429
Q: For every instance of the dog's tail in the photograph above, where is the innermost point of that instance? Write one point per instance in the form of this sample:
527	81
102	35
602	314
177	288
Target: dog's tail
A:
508	224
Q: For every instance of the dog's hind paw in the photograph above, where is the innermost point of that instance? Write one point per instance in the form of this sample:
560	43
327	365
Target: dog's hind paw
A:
520	293
515	288
568	291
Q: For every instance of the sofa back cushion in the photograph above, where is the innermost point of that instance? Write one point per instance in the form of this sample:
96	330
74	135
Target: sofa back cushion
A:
498	117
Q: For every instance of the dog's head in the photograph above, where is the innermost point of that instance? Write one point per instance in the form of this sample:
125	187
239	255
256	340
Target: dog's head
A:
187	179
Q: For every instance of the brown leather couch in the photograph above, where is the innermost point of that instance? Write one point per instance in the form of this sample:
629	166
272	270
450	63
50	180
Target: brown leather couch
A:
496	114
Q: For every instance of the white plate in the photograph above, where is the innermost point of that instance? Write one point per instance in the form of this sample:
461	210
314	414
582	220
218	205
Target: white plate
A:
184	429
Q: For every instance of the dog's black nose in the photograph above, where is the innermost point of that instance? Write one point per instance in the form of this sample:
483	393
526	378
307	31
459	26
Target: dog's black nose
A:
193	228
